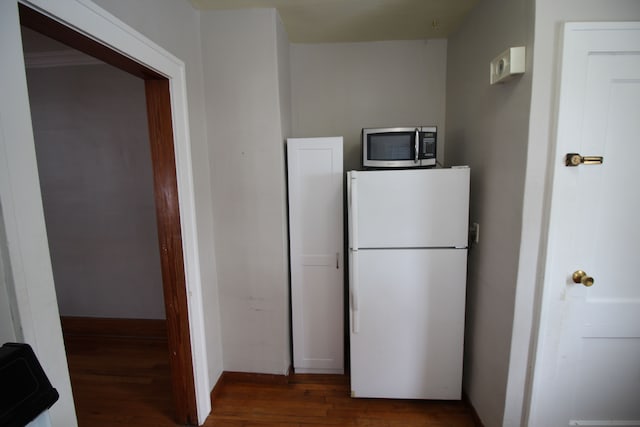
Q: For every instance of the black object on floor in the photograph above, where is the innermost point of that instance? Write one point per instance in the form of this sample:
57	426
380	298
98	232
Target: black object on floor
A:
25	390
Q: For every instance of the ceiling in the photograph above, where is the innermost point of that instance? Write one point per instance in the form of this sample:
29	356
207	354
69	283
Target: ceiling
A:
332	21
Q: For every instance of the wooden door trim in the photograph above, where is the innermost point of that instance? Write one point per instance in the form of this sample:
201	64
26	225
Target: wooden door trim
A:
53	29
171	253
166	197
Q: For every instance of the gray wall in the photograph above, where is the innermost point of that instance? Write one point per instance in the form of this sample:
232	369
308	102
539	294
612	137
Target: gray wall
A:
284	78
245	86
506	133
487	128
253	97
340	88
94	163
175	26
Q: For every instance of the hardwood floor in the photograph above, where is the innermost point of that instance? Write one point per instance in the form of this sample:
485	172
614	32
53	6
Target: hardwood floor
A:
312	400
120	381
126	382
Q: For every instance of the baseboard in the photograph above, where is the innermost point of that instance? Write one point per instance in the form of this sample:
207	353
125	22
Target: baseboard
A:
101	326
290	378
215	392
249	377
474	414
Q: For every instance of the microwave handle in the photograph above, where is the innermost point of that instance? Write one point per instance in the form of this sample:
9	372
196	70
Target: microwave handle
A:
417	142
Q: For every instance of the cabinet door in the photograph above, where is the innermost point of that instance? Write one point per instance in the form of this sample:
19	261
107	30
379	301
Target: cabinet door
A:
316	245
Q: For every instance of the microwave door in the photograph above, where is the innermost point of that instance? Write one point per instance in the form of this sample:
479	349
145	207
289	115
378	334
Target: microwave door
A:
391	148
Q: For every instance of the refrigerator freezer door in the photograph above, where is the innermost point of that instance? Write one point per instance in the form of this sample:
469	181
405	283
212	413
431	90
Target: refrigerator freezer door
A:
411	324
412	208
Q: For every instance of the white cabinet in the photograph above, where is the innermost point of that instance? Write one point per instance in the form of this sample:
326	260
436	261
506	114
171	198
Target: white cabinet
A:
316	244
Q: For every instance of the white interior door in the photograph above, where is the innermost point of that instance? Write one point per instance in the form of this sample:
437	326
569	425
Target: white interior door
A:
316	244
588	362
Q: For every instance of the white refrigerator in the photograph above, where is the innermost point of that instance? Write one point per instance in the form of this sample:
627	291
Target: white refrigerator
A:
408	236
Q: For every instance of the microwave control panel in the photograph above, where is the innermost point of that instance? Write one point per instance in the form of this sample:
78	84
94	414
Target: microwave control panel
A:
428	150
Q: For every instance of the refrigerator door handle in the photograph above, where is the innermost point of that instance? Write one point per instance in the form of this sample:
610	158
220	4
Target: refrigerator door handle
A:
353	290
417	146
353	210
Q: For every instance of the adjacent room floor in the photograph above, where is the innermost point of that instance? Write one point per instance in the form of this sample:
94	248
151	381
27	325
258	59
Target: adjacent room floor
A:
120	381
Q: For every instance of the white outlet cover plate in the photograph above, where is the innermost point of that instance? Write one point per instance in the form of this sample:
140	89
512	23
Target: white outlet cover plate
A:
507	65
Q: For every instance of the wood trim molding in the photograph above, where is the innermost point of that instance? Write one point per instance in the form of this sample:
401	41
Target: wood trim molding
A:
249	377
476	418
114	327
215	392
62	33
171	254
58	58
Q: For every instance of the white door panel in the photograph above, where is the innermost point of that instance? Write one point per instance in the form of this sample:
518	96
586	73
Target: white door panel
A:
412	208
320	320
588	362
411	323
316	244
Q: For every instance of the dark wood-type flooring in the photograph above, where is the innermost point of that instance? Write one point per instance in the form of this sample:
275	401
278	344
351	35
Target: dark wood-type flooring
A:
312	400
120	382
126	382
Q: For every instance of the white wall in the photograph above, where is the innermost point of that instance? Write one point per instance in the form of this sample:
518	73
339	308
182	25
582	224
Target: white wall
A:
8	331
487	128
284	88
25	255
243	94
340	88
175	26
96	178
284	78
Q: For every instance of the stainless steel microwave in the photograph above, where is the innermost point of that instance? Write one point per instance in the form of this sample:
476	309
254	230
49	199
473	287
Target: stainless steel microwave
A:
400	147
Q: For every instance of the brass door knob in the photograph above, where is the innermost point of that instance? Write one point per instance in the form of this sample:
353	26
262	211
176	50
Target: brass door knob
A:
580	276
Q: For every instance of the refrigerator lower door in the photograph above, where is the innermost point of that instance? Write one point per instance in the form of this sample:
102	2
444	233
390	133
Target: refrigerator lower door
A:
353	290
409	338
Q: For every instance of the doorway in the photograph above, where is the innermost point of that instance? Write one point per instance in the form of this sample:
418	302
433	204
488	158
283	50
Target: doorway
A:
158	105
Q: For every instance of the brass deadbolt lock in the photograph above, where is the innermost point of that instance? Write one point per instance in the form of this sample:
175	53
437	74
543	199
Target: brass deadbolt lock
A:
575	159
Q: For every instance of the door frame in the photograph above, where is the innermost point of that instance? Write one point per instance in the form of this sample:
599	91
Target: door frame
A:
22	212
